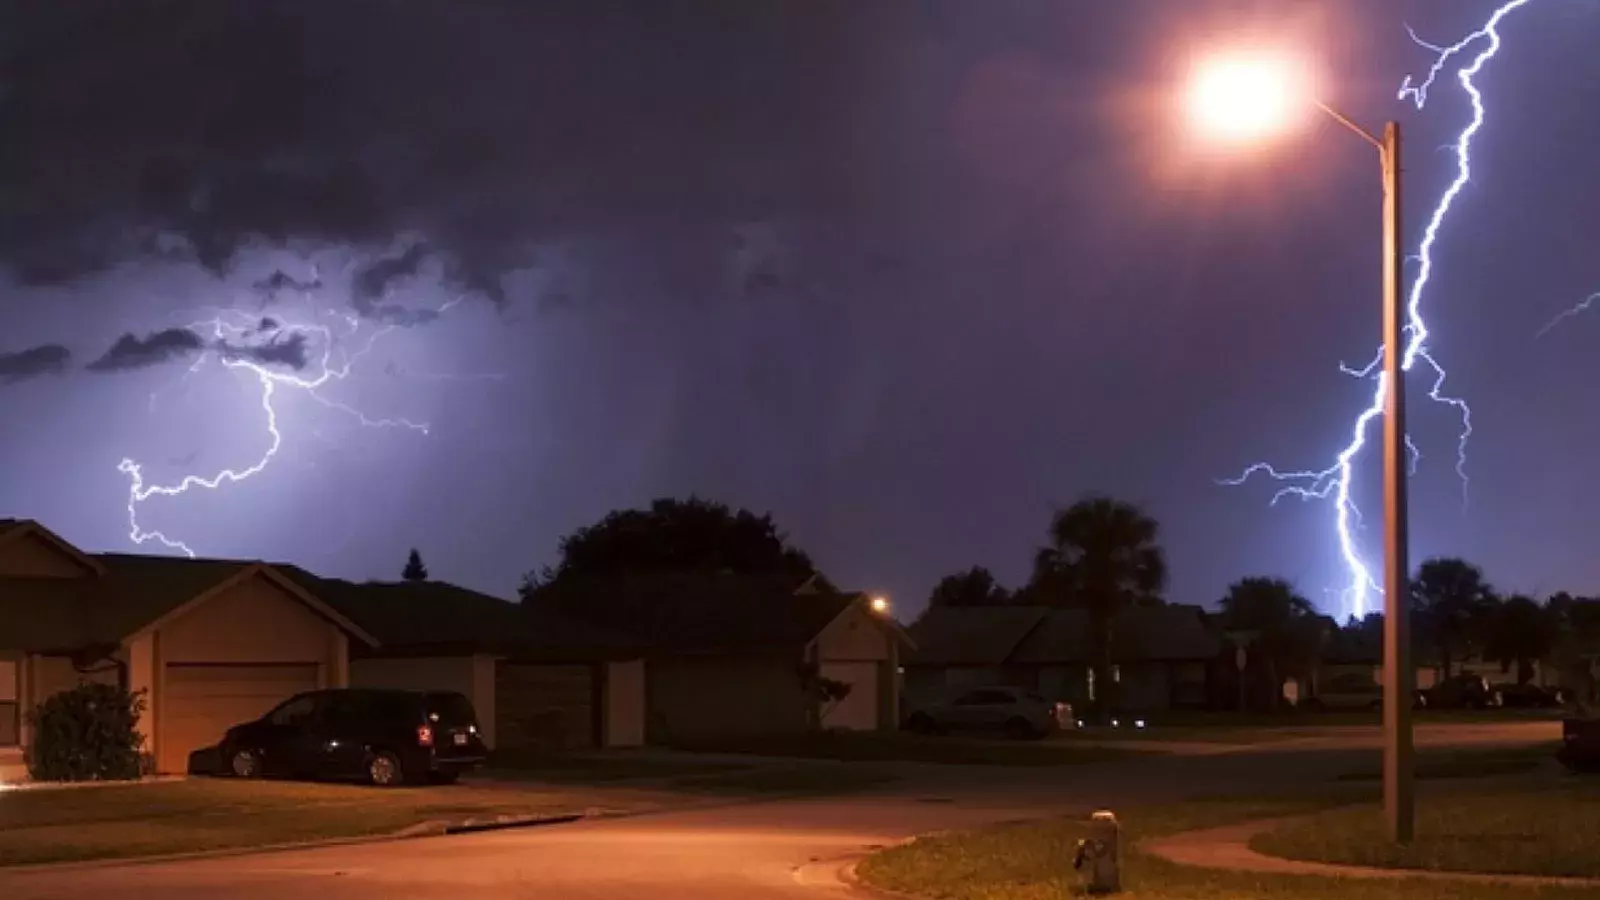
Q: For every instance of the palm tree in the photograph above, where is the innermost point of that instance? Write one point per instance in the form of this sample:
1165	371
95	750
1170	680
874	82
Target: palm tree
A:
1289	630
1448	596
1103	556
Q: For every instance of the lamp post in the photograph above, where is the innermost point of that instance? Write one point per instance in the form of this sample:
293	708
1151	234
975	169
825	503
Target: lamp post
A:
1249	99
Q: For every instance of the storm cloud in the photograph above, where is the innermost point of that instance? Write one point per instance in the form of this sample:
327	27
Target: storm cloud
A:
280	280
34	362
134	352
290	350
257	124
372	283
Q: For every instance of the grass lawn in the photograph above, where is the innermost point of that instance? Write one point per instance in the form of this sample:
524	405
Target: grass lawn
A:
884	746
101	822
1034	862
1480	763
1554	830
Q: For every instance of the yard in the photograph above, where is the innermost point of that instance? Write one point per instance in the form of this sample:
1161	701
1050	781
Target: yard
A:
1034	862
106	821
1550	831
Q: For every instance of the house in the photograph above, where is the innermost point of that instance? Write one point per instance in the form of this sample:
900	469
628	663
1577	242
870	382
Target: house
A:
735	656
545	682
209	643
1162	655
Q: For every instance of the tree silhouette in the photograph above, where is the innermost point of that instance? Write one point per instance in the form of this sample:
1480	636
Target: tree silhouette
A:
1522	632
414	570
1103	556
1289	631
974	587
676	536
1449	597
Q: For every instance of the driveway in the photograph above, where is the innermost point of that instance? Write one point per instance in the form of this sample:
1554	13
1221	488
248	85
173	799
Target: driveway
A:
737	852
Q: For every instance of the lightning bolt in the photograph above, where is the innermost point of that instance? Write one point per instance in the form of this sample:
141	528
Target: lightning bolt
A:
1577	309
1334	482
334	365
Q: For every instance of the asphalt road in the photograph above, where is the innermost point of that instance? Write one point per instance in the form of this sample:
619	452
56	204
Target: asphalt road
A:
783	849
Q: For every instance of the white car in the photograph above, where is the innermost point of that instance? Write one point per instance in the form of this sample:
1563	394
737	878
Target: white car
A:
1014	712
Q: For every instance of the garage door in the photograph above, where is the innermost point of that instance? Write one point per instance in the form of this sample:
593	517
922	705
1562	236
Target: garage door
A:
200	702
859	708
545	705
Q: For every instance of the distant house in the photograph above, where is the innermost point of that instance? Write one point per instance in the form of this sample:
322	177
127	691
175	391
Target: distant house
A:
536	682
209	643
1162	656
731	656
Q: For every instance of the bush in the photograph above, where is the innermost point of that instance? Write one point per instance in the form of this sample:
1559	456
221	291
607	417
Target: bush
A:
88	733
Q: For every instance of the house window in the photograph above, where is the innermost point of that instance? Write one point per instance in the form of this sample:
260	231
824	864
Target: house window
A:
10	710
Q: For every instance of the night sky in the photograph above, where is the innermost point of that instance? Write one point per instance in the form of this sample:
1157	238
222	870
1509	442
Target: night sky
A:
908	275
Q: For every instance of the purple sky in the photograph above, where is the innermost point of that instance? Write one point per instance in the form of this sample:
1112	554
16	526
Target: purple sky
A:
908	275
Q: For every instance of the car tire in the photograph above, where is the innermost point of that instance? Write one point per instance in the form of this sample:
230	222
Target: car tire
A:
1020	729
243	762
383	769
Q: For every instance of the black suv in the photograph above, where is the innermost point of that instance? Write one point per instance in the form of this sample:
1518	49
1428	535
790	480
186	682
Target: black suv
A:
385	737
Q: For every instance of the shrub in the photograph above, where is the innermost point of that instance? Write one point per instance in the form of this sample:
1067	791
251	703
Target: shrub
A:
88	733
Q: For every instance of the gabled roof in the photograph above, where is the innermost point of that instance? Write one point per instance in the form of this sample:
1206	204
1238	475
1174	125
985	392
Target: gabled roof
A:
971	635
699	613
438	617
1138	634
19	529
134	593
1035	635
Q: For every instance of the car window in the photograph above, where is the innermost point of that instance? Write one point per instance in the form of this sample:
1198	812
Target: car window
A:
295	711
449	709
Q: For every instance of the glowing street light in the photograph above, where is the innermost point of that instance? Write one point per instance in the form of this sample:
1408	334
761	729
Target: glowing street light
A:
879	604
1251	97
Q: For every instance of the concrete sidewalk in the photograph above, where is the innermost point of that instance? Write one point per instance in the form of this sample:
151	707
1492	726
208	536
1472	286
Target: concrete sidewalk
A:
1228	848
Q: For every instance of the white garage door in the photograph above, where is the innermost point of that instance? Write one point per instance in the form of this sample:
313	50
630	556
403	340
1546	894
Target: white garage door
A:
859	709
200	702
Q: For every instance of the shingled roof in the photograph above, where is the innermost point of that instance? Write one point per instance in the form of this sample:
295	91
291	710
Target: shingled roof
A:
441	618
132	592
1035	635
700	613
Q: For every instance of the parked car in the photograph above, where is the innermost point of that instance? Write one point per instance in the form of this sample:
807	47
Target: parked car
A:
1347	690
1012	711
384	737
1464	691
1580	745
1528	695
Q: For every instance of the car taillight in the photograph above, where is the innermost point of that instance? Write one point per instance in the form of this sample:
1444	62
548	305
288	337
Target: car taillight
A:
424	735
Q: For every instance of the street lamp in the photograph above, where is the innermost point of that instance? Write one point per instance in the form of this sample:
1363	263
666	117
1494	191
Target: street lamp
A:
1249	98
879	604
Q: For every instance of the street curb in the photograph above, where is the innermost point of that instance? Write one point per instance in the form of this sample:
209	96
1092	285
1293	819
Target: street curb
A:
410	832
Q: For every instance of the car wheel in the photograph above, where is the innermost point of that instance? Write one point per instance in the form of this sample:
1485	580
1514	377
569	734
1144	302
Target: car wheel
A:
384	770
1020	729
244	763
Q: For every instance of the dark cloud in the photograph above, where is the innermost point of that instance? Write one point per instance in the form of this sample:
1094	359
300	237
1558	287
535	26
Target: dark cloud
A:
291	350
134	352
202	129
370	286
280	280
45	359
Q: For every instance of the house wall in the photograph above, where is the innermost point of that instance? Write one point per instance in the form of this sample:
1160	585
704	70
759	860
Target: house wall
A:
548	705
10	699
854	636
625	703
470	676
255	621
34	557
693	700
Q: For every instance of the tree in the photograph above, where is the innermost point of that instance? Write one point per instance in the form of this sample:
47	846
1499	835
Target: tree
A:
1448	597
1103	556
974	587
676	536
1522	633
1289	632
414	570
